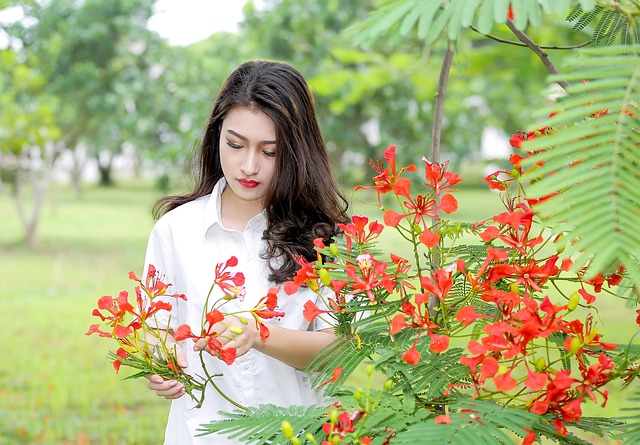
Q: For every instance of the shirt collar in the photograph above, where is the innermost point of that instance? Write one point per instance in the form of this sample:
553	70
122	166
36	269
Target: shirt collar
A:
212	213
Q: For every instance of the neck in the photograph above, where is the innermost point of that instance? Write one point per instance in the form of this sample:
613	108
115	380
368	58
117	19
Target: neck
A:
236	213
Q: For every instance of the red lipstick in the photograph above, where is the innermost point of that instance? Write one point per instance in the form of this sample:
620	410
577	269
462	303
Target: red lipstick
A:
248	183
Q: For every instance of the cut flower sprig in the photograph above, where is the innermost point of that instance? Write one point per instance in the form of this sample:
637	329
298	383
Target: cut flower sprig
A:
148	348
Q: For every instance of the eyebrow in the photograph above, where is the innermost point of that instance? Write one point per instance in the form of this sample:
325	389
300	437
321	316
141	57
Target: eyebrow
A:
238	135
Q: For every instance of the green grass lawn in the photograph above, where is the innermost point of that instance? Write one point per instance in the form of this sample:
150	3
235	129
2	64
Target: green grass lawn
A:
56	384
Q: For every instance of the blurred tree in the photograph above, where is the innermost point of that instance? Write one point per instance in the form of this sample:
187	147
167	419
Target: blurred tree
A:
98	59
29	138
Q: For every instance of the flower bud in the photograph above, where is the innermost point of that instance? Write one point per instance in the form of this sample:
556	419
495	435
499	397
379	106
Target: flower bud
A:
335	440
295	441
502	369
324	276
574	299
515	173
369	370
333	249
540	364
575	345
333	416
513	287
310	438
358	394
287	429
388	384
560	242
243	320
236	330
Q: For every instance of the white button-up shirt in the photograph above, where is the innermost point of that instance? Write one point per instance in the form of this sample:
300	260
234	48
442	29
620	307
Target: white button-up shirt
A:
185	245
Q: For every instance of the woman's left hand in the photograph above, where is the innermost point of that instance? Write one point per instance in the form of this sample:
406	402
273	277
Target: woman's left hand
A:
232	333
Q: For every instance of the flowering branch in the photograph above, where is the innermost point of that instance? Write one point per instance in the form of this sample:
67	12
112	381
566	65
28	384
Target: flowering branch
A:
151	350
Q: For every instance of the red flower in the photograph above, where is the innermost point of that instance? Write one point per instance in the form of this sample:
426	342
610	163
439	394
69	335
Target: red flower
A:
420	208
372	276
439	343
311	311
231	284
183	332
467	315
306	275
517	139
504	382
443	418
336	373
412	356
397	324
357	229
536	380
530	438
438	178
439	285
386	179
429	238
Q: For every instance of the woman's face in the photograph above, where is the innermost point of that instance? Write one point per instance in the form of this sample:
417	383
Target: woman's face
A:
247	155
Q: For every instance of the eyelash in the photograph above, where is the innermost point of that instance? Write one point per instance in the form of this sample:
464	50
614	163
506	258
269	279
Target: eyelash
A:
233	145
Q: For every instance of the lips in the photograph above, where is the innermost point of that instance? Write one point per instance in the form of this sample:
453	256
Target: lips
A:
248	183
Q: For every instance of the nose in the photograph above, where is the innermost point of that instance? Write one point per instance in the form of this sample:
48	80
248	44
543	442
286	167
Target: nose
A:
249	164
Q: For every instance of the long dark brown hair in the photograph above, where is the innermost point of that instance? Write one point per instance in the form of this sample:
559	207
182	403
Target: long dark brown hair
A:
303	201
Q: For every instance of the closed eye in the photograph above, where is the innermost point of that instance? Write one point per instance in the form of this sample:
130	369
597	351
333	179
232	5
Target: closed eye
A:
233	145
271	154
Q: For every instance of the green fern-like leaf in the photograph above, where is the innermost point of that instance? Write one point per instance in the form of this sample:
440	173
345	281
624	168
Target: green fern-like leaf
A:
594	160
477	422
263	424
629	429
430	378
610	24
544	428
434	19
344	353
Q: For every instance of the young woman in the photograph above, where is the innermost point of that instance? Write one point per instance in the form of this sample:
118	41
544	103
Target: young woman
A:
264	191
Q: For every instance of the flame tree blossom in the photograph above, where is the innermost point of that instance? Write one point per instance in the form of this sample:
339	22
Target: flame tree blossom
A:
499	298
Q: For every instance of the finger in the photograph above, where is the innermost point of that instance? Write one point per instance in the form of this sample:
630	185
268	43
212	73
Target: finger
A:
181	358
154	378
200	344
168	388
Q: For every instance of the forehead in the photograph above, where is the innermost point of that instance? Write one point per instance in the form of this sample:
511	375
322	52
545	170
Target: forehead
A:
249	123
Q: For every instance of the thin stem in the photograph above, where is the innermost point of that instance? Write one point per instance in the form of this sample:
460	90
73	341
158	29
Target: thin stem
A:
217	388
514	43
544	57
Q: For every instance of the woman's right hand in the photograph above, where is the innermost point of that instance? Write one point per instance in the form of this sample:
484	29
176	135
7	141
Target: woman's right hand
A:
169	389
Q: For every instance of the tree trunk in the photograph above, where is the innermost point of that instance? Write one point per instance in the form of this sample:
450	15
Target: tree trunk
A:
38	179
79	156
435	147
104	169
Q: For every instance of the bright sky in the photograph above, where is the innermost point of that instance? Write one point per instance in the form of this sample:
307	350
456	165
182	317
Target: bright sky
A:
186	21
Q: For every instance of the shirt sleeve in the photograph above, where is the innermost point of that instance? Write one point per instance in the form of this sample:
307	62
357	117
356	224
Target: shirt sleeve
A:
160	255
